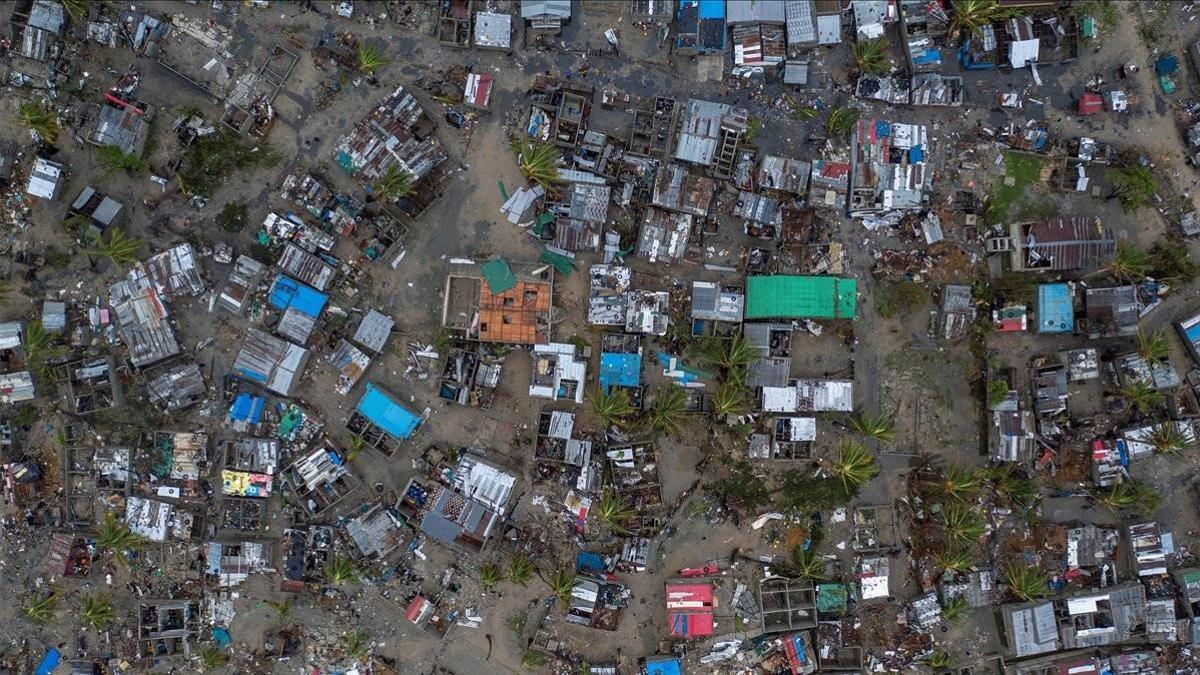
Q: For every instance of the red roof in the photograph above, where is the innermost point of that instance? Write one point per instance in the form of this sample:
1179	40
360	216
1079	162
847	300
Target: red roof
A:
690	609
835	169
479	90
1090	104
415	608
1011	325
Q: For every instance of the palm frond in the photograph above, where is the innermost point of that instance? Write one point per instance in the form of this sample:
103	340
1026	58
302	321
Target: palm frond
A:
562	582
1024	582
114	535
538	161
489	576
871	56
962	524
1153	347
612	511
520	570
1130	495
395	183
854	466
356	643
120	248
97	611
1140	396
43	609
881	428
666	414
40	119
955	608
613	408
370	58
1169	439
731	399
341	570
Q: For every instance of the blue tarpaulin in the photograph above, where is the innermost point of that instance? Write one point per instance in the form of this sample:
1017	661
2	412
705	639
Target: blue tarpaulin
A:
48	663
1166	65
221	636
620	370
882	129
587	562
247	408
287	292
916	154
663	665
385	413
712	9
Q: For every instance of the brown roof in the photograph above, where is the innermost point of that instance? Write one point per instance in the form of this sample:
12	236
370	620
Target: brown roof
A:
1068	244
520	315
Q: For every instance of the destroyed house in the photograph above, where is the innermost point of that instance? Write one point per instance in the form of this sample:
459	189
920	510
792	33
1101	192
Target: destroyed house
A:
829	184
470	377
787	605
254	455
1148	549
1013	437
168	627
800	297
377	532
177	388
380	421
306	267
633	470
956	315
1112	311
319	479
239	289
709	134
887	167
716	310
100	210
142	320
291	228
1060	245
119	124
174	272
271	362
558	372
663	235
246	413
1189	332
396	133
492	302
90	385
301	307
700	27
783	174
467	512
197	50
561	457
233	563
680	190
607	287
351	364
40	29
46	179
1102	617
596	603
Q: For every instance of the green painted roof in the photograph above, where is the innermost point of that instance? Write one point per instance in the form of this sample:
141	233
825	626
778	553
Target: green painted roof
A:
792	297
499	275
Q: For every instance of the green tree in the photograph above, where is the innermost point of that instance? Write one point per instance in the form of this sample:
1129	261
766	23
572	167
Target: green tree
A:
613	408
395	183
1024	582
533	659
40	349
963	525
212	160
562	581
1153	347
939	659
77	10
340	571
1130	495
520	570
728	356
666	414
1134	186
881	428
840	122
38	117
871	56
112	159
955	608
120	249
740	487
356	643
1129	263
804	563
971	16
612	511
954	558
1168	439
370	58
731	400
232	216
115	537
97	611
538	161
1171	262
489	575
43	608
212	658
1140	396
997	392
854	466
957	483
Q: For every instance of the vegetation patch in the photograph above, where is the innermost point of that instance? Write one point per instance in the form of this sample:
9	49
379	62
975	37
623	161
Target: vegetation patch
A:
1005	200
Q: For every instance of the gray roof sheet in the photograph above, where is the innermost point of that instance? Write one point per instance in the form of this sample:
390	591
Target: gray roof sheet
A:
373	330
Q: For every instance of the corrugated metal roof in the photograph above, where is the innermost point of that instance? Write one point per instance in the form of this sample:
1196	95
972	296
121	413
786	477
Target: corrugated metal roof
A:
10	335
754	11
181	386
798	297
1031	628
270	361
16	387
287	293
306	267
373	331
45	179
532	9
493	30
801	24
54	316
829	29
142	320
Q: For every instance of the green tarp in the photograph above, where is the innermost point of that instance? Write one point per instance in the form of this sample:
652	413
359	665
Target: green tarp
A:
561	263
498	275
795	297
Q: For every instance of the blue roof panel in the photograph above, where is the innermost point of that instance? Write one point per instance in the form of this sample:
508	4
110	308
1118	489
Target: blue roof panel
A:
663	666
385	413
712	9
287	292
620	370
1055	312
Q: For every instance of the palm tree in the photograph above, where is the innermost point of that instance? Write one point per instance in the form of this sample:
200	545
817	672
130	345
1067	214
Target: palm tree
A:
489	576
955	608
520	570
614	409
612	511
394	183
1168	439
939	659
1130	495
282	609
40	119
971	16
538	161
957	483
840	121
1135	186
1009	483
804	564
370	58
854	466
1129	263
341	571
356	643
76	9
533	659
954	559
43	609
962	524
212	658
881	428
40	349
1140	396
562	582
1025	582
114	536
356	444
666	414
1153	348
730	400
120	249
871	56
97	611
729	355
